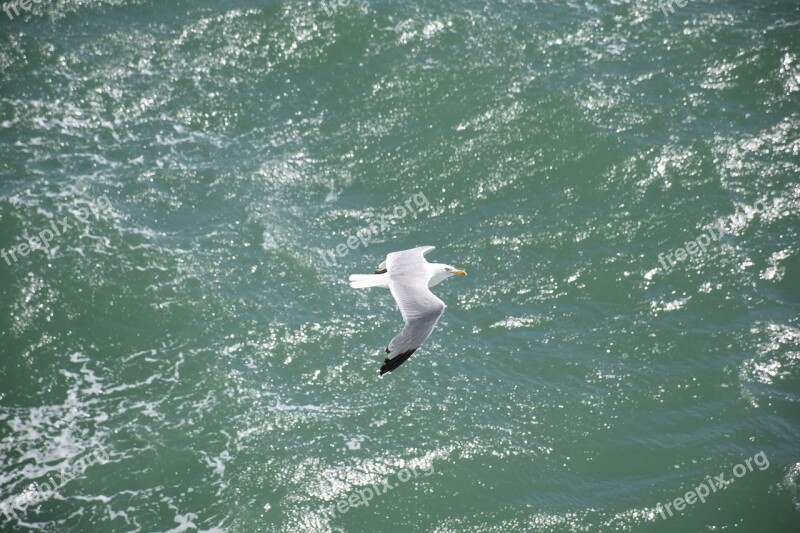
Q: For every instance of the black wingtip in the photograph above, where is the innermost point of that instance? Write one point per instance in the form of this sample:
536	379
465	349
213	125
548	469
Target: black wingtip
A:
394	362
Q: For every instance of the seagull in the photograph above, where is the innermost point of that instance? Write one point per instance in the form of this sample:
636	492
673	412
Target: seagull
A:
409	277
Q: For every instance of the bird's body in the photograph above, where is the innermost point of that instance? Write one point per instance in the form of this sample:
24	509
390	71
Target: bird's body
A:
409	277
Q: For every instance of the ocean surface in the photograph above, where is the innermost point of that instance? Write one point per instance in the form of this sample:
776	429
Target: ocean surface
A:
185	188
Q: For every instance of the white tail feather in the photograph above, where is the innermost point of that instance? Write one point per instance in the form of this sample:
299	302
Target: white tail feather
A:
363	281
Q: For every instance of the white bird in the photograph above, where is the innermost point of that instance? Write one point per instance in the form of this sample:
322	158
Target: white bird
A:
409	277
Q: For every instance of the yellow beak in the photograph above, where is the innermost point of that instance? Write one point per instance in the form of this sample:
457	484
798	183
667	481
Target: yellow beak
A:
459	272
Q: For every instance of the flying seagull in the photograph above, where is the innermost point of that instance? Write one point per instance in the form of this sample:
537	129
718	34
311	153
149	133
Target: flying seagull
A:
409	277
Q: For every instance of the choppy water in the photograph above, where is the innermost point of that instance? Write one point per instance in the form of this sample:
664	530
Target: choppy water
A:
186	358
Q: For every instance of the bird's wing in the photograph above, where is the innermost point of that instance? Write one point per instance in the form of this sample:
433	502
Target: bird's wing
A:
421	309
413	254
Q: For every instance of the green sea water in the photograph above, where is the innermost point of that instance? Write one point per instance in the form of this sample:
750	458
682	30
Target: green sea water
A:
183	354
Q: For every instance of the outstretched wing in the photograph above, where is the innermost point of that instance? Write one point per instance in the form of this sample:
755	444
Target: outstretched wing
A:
381	269
421	309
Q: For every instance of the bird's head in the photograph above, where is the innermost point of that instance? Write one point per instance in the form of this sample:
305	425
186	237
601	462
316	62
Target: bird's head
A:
453	271
442	272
